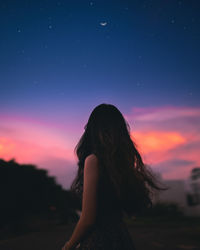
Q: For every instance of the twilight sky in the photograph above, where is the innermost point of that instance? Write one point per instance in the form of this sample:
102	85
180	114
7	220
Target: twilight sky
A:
60	59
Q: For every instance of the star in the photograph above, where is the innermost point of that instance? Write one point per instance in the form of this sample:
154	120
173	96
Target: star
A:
103	23
172	21
50	26
19	31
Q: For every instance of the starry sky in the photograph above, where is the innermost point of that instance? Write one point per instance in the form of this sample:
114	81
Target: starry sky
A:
60	59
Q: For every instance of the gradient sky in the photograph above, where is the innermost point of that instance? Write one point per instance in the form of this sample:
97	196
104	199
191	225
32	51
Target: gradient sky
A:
60	59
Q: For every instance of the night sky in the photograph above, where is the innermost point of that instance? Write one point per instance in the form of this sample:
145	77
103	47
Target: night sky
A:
60	59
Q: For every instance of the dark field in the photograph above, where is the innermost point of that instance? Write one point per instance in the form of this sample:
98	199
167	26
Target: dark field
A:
147	233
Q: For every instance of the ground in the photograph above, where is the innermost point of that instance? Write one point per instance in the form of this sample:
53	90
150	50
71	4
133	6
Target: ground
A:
147	234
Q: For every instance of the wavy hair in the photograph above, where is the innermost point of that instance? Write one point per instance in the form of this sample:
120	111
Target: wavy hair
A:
107	135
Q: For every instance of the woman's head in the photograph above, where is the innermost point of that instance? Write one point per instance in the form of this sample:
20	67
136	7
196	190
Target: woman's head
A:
106	127
107	135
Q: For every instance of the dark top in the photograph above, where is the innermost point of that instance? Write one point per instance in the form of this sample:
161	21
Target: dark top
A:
107	201
109	231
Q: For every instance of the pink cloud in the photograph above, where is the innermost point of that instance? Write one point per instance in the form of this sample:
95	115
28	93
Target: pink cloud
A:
33	141
162	113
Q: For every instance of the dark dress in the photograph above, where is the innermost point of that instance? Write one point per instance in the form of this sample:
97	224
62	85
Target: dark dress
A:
109	231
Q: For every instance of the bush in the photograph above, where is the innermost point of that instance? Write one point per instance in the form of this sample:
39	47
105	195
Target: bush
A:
164	209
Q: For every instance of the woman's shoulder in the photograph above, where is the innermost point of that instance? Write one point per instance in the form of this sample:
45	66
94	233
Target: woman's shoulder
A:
93	164
91	161
91	157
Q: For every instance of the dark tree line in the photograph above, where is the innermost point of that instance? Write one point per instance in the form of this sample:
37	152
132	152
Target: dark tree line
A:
26	190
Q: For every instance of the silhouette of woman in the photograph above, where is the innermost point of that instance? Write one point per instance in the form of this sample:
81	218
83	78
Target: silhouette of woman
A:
111	181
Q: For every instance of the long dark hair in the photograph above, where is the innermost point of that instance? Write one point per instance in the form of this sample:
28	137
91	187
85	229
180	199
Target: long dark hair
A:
107	135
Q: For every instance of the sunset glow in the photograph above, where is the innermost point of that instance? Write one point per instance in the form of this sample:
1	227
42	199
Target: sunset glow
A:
169	143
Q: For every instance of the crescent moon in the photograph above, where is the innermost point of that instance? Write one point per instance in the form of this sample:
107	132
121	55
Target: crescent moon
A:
103	23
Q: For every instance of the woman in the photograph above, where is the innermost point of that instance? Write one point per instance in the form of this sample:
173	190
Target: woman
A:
111	180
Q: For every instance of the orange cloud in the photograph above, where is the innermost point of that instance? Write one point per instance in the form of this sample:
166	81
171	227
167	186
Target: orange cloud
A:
157	140
168	138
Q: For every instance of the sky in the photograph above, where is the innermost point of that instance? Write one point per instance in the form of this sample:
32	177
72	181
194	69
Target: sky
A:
60	59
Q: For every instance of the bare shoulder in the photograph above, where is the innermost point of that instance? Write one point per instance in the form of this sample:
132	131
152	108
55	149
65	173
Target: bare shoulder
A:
91	158
91	162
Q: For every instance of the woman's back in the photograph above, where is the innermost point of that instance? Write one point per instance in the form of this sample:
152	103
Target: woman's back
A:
108	203
109	231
